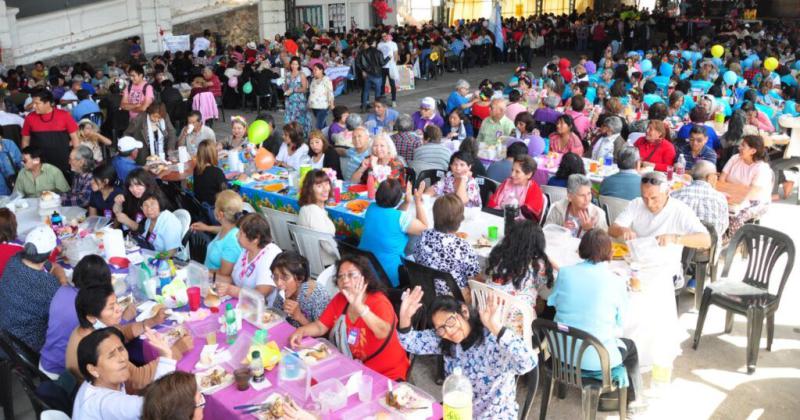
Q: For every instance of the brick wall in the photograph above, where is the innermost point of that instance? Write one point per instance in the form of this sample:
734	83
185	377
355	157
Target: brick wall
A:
234	28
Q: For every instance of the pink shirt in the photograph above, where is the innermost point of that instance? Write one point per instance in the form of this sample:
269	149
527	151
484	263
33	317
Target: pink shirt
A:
757	174
763	122
574	145
513	109
582	123
137	94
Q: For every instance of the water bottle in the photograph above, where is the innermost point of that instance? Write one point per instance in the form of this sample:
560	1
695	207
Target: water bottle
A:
680	165
457	396
608	161
510	214
164	274
257	366
231	329
56	221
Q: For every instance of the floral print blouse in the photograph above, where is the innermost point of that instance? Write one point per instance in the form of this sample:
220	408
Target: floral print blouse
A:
311	306
449	253
447	185
491	366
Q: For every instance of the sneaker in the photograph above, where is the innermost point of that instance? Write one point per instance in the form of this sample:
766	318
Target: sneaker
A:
691	285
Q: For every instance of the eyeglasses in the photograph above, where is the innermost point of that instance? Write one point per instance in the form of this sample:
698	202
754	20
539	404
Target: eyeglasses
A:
202	402
652	181
449	324
350	275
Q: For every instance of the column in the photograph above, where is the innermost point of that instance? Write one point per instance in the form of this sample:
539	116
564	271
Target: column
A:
8	33
156	16
271	18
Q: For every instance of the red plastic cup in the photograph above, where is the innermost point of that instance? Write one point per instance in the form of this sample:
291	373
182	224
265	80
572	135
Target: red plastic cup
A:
194	298
669	172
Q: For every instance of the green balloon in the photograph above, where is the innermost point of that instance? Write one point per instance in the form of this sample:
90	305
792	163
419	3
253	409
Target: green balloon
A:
247	88
258	131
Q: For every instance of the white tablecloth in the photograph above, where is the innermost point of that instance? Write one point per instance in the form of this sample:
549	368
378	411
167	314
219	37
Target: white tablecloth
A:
28	218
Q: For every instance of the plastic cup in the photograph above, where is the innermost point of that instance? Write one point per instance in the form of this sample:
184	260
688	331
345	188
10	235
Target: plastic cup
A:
194	297
365	389
492	233
593	167
242	378
669	173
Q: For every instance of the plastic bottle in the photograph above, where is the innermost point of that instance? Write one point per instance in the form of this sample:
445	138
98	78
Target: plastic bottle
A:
56	220
457	396
231	329
164	274
371	186
257	366
680	165
608	160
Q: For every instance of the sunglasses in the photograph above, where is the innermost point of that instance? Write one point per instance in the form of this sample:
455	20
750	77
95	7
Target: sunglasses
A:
652	181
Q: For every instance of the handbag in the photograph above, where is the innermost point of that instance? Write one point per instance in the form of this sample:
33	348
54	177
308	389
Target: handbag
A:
339	336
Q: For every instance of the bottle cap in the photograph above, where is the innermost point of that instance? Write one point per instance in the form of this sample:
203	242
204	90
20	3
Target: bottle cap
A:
256	354
261	336
228	307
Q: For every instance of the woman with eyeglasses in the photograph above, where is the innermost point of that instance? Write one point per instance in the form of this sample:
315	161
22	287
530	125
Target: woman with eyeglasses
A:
362	320
305	299
174	396
488	353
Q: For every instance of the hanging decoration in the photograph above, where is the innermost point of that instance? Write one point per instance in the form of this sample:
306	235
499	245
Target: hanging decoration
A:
381	8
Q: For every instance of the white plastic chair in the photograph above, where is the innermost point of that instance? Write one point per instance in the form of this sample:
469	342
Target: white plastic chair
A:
279	227
511	307
545	208
53	415
613	206
556	193
248	207
313	245
186	221
327	281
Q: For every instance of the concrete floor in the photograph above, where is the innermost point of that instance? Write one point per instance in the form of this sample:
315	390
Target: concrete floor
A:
709	383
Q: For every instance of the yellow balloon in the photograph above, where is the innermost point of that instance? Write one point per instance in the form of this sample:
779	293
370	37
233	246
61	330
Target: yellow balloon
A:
717	51
434	56
771	63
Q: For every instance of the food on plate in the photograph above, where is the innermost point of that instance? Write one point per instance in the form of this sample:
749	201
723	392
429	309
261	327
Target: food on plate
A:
347	196
357	206
314	354
483	242
48	196
172	336
213	378
357	188
273	187
274	407
619	250
406	400
269	316
462	235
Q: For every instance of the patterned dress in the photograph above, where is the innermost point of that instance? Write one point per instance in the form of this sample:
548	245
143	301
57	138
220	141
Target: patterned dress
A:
296	104
491	366
311	306
449	253
447	185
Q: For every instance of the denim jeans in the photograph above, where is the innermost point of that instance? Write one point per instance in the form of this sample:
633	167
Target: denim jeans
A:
371	82
321	115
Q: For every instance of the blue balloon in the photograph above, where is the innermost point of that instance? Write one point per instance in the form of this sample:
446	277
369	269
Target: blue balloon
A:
646	65
687	55
730	78
697	56
717	61
665	69
747	63
797	65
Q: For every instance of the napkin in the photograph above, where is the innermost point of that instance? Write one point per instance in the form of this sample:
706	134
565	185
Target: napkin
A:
113	243
353	383
183	155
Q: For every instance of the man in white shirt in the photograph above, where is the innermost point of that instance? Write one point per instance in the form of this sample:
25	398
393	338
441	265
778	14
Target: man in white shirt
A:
671	222
388	48
195	132
7	118
201	43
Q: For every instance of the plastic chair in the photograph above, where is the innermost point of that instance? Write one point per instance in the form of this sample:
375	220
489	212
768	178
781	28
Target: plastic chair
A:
6	395
186	221
279	227
312	245
21	356
430	176
556	193
567	346
545	208
487	187
53	415
347	249
29	387
705	264
613	206
426	277
750	297
190	203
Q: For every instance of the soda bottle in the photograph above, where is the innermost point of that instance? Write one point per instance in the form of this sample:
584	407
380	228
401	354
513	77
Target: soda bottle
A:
231	329
371	186
457	396
680	165
56	220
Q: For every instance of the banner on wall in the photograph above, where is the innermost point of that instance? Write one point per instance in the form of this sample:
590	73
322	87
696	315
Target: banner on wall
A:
175	43
404	81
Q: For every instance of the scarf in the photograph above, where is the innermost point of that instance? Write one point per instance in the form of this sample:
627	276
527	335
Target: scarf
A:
155	138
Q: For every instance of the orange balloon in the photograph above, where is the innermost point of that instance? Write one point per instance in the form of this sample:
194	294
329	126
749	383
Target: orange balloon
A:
264	159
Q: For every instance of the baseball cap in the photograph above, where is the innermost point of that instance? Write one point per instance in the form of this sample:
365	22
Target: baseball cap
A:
428	103
127	143
42	238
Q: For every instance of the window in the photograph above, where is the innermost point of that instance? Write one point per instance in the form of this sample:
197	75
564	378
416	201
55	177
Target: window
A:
310	14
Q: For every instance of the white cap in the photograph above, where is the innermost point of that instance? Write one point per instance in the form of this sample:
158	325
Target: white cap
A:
428	103
127	143
42	238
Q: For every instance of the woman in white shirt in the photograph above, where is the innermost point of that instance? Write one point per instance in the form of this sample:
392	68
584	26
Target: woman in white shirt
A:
251	270
320	97
315	192
103	361
293	151
162	230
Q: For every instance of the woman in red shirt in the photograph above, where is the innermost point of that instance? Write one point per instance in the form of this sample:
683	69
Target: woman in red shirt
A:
520	187
655	146
362	319
480	109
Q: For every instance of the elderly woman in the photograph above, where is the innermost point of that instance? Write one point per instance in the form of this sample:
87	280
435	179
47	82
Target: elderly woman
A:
441	249
162	229
749	168
461	98
383	153
81	161
305	299
611	141
174	396
459	181
90	137
103	361
361	310
294	151
570	164
209	179
96	306
548	113
406	141
251	269
128	206
565	139
520	189
427	115
224	250
387	225
589	296
655	147
489	354
576	212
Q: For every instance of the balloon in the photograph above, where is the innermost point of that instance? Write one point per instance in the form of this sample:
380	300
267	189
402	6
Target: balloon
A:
687	55
264	159
646	65
258	131
591	67
233	82
771	63
247	88
717	51
665	69
434	56
697	56
797	65
717	61
730	77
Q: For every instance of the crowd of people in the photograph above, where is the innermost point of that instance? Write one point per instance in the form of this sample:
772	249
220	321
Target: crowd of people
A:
648	104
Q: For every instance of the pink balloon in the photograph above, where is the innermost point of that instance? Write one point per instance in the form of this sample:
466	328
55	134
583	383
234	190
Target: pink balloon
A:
233	82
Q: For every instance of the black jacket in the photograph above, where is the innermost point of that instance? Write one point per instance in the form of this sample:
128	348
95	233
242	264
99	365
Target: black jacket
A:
371	61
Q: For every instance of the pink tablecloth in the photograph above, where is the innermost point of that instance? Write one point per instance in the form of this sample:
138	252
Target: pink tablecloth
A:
219	405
